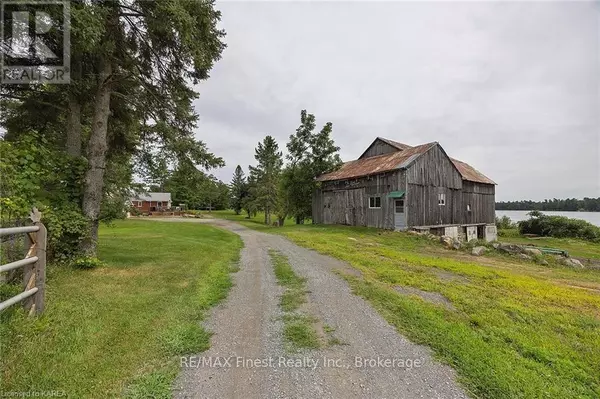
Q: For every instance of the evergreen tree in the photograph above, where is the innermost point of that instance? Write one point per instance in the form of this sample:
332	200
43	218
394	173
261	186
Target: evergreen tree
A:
134	64
266	175
238	189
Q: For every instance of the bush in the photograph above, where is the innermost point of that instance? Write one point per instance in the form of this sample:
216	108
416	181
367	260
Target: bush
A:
504	223
67	227
559	226
86	262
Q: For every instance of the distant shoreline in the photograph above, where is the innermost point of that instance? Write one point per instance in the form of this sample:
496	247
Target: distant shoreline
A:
529	210
522	214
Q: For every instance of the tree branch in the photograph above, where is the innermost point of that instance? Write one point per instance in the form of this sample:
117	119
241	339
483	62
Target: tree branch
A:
13	97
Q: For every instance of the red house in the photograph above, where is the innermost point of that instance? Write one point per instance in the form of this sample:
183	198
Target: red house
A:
152	202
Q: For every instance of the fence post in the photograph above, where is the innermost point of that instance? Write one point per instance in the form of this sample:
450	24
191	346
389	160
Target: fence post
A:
35	275
29	275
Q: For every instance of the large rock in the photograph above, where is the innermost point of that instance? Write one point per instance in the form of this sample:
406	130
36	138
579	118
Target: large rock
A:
447	241
478	251
510	248
456	244
526	257
532	251
571	262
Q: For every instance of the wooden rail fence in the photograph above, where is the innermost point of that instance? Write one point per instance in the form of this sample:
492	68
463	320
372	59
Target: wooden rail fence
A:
34	265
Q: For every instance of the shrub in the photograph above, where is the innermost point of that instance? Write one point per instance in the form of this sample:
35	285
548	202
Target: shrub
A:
505	223
67	227
86	262
559	226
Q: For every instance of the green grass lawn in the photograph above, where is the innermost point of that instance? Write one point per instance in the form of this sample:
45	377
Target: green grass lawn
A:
118	330
519	329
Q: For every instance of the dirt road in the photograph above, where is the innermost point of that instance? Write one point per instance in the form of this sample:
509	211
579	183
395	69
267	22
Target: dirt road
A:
247	358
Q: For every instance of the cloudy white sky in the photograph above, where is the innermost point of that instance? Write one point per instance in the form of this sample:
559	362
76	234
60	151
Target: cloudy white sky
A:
510	87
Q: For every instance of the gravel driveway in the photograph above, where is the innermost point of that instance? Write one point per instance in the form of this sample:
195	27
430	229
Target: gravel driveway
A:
247	359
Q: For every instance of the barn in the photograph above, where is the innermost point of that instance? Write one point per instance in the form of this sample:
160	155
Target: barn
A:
396	186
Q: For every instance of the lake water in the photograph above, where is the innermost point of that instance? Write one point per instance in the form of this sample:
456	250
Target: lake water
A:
516	216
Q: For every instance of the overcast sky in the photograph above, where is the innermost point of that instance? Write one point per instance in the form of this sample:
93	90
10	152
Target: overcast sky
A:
511	88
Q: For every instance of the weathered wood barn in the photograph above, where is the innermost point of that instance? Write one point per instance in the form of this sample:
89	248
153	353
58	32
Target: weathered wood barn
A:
397	186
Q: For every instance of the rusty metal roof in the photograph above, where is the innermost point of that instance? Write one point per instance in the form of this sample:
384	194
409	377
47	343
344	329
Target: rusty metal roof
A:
470	173
377	164
398	160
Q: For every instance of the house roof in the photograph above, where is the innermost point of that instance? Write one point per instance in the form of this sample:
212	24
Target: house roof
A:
163	197
398	160
377	164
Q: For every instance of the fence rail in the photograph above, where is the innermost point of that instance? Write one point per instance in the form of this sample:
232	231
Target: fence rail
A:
34	265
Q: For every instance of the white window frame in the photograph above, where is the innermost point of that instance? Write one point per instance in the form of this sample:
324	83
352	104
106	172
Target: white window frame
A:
375	203
468	207
442	199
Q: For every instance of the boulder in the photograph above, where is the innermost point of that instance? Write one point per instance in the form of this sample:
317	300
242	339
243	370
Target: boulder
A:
447	241
574	263
526	257
496	245
542	262
510	248
456	244
532	251
478	251
413	232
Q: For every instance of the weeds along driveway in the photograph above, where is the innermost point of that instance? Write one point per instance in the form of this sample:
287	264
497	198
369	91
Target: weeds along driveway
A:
248	358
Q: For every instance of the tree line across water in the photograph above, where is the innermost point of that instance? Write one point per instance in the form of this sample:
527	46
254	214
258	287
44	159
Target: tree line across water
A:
568	204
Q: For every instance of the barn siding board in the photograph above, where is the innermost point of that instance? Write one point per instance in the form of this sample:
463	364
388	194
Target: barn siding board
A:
481	197
434	168
378	148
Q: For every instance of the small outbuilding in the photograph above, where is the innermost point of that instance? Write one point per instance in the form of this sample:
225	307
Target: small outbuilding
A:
152	202
397	186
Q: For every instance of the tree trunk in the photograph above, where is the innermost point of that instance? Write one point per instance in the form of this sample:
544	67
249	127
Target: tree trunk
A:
74	139
74	127
97	146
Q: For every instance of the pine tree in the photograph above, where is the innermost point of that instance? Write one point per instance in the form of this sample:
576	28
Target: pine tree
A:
238	189
134	67
267	174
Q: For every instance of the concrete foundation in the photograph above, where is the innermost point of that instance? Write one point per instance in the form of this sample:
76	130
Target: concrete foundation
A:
471	233
491	233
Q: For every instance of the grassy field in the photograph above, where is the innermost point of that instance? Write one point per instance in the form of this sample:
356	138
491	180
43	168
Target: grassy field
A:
575	247
118	330
515	329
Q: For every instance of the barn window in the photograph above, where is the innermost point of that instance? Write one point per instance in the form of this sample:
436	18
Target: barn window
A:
441	199
374	202
399	205
468	207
